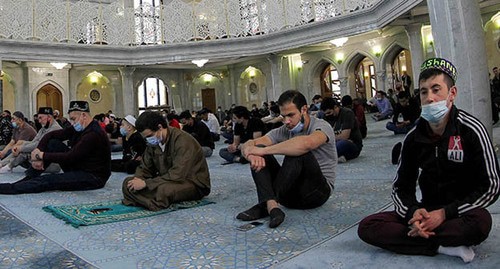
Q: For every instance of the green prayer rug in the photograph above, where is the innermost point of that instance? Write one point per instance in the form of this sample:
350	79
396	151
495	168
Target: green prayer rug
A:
111	211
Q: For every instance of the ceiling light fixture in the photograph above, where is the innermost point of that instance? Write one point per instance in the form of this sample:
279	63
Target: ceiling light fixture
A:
339	42
200	63
59	65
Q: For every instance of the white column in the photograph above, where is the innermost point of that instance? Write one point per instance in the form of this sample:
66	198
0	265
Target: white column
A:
276	89
381	77
1	86
459	37
129	100
414	32
344	89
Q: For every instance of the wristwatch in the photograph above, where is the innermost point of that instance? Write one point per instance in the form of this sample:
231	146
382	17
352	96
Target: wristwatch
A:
38	157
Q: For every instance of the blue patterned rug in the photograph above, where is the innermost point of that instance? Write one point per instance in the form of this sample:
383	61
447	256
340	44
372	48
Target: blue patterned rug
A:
111	211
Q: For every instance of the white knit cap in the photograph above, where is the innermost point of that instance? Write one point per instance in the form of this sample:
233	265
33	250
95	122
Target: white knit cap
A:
130	119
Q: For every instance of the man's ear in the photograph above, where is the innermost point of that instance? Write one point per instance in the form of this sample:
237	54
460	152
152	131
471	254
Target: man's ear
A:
303	110
453	93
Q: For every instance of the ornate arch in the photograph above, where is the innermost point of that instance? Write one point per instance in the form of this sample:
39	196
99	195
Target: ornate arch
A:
392	51
64	99
353	59
351	62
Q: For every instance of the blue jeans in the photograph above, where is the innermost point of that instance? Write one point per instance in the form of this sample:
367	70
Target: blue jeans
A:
347	149
399	130
228	156
298	183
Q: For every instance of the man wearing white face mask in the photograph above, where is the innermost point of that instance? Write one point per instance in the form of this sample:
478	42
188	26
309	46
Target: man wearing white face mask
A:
85	160
173	167
451	156
306	177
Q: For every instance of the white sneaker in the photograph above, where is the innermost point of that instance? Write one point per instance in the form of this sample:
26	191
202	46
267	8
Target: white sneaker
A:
341	159
6	169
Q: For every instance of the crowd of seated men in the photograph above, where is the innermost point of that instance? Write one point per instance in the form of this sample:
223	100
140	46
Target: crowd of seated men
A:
165	156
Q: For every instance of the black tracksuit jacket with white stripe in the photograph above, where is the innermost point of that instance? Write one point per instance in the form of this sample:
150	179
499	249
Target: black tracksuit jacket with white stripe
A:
469	180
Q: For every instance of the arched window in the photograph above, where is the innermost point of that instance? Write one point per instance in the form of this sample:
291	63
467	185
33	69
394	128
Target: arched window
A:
152	93
330	85
400	64
365	79
147	21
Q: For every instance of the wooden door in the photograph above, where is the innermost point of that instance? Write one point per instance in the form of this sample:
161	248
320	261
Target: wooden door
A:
49	96
208	98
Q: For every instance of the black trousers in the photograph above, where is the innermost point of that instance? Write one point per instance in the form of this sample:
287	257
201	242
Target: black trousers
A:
70	180
298	183
128	167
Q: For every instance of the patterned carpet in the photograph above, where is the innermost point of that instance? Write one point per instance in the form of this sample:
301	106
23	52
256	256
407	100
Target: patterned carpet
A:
204	237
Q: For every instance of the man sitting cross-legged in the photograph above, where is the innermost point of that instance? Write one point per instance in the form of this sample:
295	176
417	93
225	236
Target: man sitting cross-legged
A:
21	151
86	162
305	179
451	157
173	167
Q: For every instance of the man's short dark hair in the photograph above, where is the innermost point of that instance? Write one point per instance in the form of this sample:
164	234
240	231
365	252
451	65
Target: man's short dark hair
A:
292	96
382	93
275	109
241	112
403	94
316	97
185	115
430	73
346	100
7	111
150	120
329	103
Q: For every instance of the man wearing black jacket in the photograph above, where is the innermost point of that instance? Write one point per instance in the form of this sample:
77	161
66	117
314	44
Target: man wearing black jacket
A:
410	110
451	156
86	162
199	131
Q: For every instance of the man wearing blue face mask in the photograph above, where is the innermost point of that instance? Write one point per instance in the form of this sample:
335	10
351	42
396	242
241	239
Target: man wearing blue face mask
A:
173	167
306	177
21	131
133	147
85	160
451	157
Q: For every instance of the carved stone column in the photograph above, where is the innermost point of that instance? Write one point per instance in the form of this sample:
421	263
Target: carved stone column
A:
275	90
459	37
414	32
344	90
129	101
1	86
381	76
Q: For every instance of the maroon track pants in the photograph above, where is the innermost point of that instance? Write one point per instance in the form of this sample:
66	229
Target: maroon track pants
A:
389	231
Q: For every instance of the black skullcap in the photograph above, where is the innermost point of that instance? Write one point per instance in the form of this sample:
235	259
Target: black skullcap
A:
203	111
185	115
82	106
45	110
